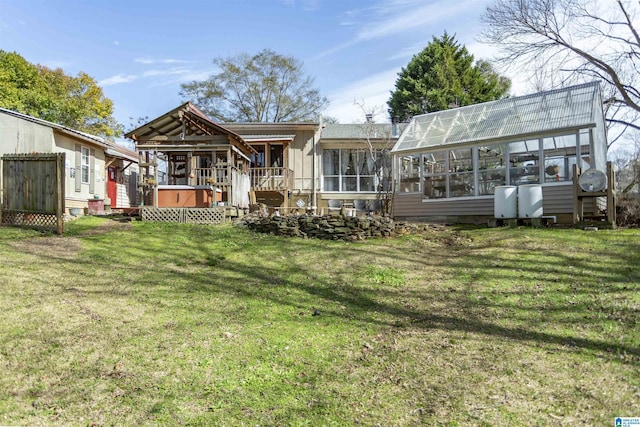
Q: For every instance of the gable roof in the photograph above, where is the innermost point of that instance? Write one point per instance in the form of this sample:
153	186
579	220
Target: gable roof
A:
193	120
563	109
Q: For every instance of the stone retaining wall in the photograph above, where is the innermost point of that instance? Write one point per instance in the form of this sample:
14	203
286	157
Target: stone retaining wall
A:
330	227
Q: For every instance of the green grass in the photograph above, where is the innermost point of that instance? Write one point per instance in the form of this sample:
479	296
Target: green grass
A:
193	325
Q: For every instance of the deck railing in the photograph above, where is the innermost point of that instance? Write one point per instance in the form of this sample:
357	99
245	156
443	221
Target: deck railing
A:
262	179
271	178
218	177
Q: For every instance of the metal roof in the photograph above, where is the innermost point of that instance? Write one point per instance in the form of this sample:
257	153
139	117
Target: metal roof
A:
518	117
358	131
187	117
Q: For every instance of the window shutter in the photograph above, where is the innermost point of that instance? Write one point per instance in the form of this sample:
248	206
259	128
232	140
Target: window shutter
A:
78	170
92	170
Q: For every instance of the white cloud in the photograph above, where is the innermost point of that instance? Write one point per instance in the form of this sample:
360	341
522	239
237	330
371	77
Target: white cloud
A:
159	77
117	79
146	60
177	76
116	42
394	17
373	91
407	16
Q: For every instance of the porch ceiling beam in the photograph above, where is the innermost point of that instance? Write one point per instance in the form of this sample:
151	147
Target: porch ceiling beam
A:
196	123
182	147
189	138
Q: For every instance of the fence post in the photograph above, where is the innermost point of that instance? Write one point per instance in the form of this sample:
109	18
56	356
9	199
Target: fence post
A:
60	158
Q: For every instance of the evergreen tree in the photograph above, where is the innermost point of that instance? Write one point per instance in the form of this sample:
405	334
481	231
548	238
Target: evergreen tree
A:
442	76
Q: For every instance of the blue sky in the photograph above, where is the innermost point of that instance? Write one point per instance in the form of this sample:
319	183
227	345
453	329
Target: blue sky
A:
140	51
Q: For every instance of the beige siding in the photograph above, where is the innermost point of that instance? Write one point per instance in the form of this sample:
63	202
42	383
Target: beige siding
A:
301	161
67	145
22	136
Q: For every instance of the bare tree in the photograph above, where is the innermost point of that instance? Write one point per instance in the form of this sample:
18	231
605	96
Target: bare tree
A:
627	163
265	87
379	141
562	42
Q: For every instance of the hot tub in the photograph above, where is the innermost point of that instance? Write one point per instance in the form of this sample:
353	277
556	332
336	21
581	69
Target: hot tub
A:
187	196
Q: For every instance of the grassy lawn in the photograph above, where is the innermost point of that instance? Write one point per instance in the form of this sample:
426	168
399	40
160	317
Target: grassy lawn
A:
194	325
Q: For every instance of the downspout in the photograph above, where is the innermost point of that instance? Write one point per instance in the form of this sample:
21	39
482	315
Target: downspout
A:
315	194
315	160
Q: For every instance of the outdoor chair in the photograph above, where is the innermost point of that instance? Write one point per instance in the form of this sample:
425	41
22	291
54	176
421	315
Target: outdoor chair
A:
375	206
334	205
360	205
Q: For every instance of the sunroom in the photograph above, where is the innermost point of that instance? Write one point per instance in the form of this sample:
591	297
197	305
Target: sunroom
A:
449	163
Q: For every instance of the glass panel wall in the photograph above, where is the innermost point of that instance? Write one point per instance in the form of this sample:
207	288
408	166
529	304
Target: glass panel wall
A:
585	149
524	157
461	181
410	173
559	158
434	166
491	168
478	170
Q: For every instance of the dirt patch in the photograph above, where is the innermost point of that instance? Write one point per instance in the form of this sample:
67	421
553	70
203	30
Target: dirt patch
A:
62	247
107	226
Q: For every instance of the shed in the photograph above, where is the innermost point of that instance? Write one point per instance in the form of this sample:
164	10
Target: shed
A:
448	164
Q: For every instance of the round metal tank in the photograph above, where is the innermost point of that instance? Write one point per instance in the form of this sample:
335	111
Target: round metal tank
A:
505	200
530	201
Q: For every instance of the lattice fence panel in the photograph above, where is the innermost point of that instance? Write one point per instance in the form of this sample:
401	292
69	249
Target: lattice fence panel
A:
162	214
205	215
40	220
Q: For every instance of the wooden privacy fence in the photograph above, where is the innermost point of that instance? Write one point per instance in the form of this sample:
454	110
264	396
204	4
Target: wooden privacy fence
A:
33	191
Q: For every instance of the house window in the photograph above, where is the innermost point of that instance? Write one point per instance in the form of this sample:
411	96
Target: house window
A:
258	160
351	170
85	165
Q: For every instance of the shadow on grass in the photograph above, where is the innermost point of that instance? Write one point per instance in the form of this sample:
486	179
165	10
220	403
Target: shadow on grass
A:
235	262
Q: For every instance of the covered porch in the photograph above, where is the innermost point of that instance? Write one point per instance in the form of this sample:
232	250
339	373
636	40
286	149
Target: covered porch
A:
194	161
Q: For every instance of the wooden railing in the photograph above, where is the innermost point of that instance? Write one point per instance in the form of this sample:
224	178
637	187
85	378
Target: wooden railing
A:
218	177
261	178
271	178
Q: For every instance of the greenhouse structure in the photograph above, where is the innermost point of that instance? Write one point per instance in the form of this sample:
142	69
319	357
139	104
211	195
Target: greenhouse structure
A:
449	164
